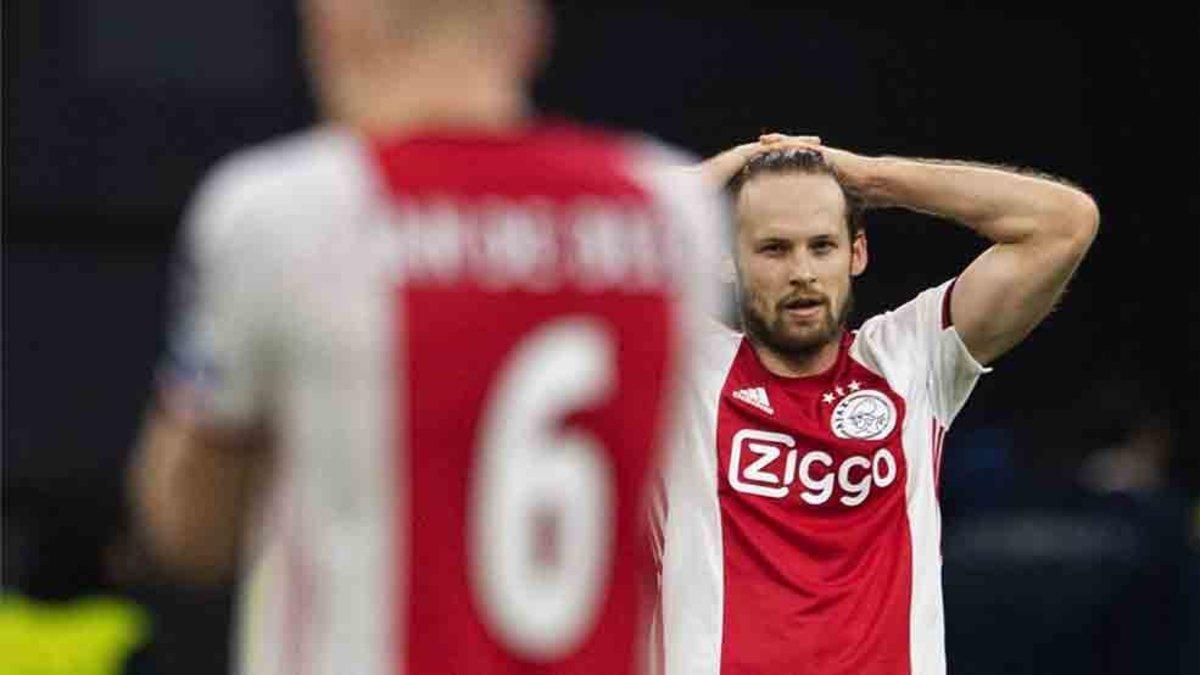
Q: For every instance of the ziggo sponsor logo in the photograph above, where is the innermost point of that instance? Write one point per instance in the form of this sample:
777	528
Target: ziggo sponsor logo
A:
855	476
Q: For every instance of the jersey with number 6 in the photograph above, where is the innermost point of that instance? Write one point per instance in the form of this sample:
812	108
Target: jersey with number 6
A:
468	347
802	528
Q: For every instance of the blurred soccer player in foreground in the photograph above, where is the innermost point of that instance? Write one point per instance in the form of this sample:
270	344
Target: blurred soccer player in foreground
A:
430	351
802	532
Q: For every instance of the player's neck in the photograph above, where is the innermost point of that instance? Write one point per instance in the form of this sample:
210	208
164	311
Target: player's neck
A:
801	365
434	95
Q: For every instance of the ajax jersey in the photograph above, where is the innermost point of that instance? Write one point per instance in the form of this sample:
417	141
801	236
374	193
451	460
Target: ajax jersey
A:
470	348
801	528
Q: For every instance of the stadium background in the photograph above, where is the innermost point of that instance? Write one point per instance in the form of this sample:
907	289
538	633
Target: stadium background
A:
1071	479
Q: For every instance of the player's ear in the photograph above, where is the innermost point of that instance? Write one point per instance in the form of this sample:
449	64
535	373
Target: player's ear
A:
858	253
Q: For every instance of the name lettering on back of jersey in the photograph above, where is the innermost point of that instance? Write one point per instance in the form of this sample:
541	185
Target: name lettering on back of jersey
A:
755	396
769	464
529	245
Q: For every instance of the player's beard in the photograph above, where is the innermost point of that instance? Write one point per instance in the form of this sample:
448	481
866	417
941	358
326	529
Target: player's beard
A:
774	333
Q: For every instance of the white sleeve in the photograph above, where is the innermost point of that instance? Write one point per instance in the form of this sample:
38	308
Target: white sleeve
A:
219	358
916	346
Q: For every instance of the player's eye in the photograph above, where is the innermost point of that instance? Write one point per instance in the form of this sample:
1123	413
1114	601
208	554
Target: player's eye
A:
773	248
822	247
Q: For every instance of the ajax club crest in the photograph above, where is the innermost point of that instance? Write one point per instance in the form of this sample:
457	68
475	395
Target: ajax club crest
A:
865	415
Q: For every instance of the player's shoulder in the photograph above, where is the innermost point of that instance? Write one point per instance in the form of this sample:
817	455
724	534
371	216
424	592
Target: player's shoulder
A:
659	153
905	333
927	309
274	177
669	174
280	164
658	161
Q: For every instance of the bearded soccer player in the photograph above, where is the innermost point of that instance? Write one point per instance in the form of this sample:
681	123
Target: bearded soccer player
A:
802	528
429	356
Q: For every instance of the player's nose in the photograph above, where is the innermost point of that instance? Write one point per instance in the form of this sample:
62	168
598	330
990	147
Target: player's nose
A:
801	270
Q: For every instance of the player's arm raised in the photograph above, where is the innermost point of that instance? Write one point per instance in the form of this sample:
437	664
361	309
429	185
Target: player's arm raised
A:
719	169
1041	229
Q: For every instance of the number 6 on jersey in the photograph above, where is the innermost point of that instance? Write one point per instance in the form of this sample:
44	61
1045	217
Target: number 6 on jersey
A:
531	447
528	467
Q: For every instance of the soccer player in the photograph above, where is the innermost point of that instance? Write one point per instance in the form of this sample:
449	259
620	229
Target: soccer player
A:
802	525
430	353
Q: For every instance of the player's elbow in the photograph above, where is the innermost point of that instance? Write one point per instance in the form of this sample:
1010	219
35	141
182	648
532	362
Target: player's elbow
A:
176	499
1083	217
193	561
1076	222
179	549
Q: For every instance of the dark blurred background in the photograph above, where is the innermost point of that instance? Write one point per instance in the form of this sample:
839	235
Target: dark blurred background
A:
1071	479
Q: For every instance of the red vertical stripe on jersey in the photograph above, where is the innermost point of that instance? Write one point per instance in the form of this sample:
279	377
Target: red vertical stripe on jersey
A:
819	587
454	337
446	365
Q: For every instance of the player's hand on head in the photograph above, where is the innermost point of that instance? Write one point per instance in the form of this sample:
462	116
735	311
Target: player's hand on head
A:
852	169
774	141
718	170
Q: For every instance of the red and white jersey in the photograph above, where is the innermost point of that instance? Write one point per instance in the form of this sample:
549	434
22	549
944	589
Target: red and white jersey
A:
468	346
802	524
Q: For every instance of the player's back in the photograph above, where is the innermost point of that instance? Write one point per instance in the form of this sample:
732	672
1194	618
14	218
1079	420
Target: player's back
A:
470	343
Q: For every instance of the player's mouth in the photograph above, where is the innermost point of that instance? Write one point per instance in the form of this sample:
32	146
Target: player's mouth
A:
803	307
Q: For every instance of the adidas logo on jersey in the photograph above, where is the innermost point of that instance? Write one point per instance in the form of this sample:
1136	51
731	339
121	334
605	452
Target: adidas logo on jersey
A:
755	396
